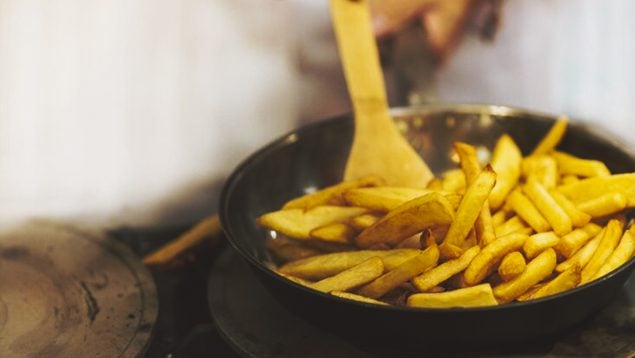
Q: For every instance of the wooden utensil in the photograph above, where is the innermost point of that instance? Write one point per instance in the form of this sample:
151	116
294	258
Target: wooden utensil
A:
378	147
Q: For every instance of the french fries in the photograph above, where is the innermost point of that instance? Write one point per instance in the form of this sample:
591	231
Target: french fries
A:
298	224
439	274
331	195
471	168
569	164
337	232
506	161
582	256
607	244
606	204
475	196
565	281
578	217
517	229
550	141
526	210
352	277
475	296
548	207
542	168
591	188
623	252
539	242
571	242
322	266
537	270
484	262
512	265
401	273
354	297
408	219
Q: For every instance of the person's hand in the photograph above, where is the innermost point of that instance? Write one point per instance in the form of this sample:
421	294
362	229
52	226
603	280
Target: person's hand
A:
444	21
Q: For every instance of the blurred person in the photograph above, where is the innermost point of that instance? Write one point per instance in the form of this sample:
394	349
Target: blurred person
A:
134	112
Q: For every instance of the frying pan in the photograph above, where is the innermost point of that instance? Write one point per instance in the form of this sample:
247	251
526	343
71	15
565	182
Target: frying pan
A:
314	156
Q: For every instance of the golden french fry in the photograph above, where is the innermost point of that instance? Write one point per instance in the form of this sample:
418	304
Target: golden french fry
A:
453	181
287	250
408	219
542	168
298	224
539	242
450	251
470	240
513	224
537	270
527	211
548	207
506	161
331	195
297	280
382	198
354	297
475	196
352	277
471	168
475	296
485	261
400	274
573	241
435	184
588	189
569	179
337	232
321	266
578	217
622	253
605	204
569	164
610	238
363	221
443	272
512	265
398	257
565	281
527	295
550	141
498	218
582	256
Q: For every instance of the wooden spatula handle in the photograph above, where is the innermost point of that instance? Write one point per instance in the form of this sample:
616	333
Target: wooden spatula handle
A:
359	54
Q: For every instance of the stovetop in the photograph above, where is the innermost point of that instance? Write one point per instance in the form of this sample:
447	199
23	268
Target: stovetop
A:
185	327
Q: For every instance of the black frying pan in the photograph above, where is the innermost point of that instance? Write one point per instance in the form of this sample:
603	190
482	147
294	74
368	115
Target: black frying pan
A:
314	156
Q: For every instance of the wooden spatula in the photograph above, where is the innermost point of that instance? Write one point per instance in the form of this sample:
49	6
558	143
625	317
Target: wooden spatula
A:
378	147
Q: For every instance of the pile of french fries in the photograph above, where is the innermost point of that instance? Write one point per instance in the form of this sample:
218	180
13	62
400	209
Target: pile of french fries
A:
516	229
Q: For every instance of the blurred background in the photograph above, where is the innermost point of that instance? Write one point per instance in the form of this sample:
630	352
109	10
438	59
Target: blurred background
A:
132	112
